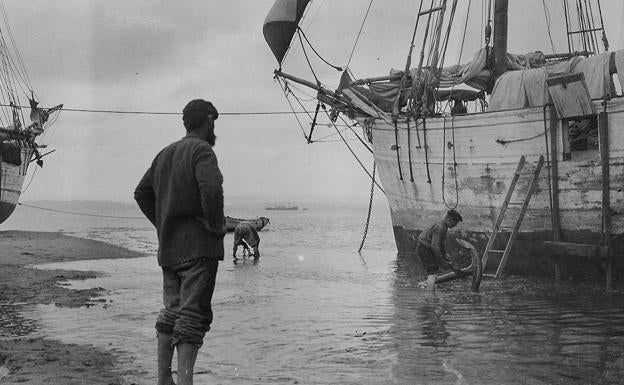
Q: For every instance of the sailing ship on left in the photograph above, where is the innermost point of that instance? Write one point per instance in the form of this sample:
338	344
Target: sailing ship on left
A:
21	126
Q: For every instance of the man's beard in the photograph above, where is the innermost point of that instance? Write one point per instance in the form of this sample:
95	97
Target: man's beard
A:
211	139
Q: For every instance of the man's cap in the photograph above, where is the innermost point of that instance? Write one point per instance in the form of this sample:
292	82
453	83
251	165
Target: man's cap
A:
454	215
200	106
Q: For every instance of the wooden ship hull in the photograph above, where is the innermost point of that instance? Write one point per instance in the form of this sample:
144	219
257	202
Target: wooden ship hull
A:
470	160
21	126
11	182
559	112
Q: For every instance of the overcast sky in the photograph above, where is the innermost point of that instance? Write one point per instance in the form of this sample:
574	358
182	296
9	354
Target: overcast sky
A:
151	55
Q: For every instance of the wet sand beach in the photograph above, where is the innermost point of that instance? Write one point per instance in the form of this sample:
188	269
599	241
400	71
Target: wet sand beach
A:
39	360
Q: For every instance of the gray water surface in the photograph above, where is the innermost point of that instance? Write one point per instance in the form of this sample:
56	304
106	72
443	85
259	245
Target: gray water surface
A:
313	311
333	319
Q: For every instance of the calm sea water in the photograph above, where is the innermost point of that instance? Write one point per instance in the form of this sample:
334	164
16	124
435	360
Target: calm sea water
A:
314	311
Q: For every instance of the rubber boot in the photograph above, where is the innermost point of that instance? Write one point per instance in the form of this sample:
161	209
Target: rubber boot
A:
165	354
187	354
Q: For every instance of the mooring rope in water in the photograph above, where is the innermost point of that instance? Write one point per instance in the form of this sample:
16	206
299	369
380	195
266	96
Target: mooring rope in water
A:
76	213
370	208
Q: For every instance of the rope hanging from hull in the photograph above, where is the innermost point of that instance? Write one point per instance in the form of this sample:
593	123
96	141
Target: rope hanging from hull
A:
397	148
409	151
425	146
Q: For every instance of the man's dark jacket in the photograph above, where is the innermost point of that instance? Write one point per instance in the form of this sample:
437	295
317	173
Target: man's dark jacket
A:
182	195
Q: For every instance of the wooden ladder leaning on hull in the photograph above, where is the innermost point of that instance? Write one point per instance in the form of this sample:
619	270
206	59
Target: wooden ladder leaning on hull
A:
501	215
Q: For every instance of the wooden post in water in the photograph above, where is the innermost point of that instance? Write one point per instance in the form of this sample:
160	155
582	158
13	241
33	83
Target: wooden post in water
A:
603	140
477	270
554	183
431	281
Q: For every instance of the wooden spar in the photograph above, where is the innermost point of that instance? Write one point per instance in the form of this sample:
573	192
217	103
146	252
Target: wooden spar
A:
302	81
396	77
319	88
553	56
500	37
393	77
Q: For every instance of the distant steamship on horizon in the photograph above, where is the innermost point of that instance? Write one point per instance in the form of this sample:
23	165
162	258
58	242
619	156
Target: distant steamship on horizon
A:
282	207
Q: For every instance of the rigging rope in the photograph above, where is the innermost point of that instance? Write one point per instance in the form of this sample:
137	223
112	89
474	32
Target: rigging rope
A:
167	113
353	153
566	14
487	26
286	91
605	41
504	142
586	29
359	33
461	51
32	177
356	135
397	148
305	54
547	17
581	21
590	16
299	30
22	68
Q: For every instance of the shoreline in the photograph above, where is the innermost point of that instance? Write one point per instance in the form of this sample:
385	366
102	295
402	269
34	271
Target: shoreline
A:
43	360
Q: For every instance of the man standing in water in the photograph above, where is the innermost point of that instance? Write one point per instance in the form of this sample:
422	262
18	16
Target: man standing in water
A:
246	235
182	195
431	248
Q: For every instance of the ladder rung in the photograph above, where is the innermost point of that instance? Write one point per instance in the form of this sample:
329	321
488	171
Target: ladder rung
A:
526	173
515	203
496	251
489	275
431	10
585	30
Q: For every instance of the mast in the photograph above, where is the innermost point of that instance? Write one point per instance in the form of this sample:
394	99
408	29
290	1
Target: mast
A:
500	37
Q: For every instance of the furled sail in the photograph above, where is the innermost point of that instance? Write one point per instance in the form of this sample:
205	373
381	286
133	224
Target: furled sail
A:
281	23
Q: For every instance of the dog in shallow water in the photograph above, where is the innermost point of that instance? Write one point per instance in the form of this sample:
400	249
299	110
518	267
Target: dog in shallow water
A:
247	253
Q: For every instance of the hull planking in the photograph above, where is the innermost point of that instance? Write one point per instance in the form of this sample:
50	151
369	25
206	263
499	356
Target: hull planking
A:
11	183
468	163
